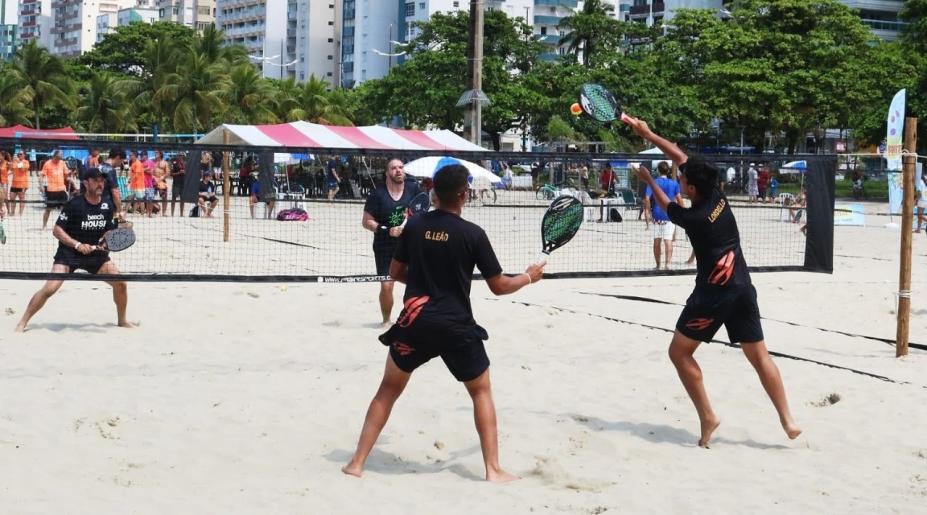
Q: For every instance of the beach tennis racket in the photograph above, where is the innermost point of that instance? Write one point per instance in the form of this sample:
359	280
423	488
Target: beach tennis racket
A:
118	239
561	222
418	205
600	104
2	234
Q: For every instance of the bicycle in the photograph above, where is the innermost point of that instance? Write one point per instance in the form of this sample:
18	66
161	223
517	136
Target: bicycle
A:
546	192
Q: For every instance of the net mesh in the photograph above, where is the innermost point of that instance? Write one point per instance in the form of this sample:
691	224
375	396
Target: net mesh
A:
244	240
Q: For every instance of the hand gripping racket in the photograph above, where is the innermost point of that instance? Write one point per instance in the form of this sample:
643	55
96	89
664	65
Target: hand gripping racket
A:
118	239
418	205
600	104
561	222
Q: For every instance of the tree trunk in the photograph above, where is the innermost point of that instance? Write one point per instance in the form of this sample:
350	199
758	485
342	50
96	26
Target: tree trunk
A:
496	139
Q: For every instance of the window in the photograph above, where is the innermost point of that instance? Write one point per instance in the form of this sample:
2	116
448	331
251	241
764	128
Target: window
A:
456	4
410	10
421	6
329	58
330	40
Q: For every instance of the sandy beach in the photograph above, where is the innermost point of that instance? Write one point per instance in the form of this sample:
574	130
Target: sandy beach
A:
248	398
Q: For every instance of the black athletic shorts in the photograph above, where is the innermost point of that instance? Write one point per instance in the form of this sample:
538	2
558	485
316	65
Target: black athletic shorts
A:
17	190
709	307
383	254
56	198
461	349
75	260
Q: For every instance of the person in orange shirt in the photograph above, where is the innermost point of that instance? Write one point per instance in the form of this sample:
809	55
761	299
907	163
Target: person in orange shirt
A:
20	183
4	181
137	183
56	173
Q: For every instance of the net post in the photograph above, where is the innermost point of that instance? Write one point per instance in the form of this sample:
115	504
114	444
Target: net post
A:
907	208
226	187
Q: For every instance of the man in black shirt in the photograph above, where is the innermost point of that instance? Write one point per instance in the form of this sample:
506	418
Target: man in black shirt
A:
384	213
435	258
207	199
79	229
723	291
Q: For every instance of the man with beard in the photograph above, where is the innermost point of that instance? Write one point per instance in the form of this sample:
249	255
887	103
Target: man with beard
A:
384	213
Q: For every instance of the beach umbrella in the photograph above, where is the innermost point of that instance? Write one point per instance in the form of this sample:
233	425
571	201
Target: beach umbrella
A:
426	167
800	166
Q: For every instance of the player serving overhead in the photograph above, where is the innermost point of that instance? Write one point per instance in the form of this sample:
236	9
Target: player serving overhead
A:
723	294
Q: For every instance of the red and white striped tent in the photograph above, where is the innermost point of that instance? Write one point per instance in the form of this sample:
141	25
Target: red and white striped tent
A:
311	135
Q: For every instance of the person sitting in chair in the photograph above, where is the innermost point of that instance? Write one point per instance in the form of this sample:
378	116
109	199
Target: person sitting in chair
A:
207	198
257	195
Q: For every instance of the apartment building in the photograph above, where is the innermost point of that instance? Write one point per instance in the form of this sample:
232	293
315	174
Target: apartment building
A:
107	22
74	24
197	14
313	39
35	22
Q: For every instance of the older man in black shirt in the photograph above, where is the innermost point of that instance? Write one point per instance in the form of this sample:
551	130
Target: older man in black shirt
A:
79	229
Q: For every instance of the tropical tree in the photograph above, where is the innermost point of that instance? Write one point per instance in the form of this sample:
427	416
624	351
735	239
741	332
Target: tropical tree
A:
44	77
584	30
14	99
211	44
317	104
104	105
125	50
194	91
249	98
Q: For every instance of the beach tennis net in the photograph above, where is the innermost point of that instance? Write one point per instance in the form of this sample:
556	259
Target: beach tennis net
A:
245	241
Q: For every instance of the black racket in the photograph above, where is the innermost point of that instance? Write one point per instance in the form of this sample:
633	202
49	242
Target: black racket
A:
418	205
561	222
600	104
117	239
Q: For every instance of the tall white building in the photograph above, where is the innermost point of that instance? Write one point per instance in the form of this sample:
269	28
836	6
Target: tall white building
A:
312	39
107	22
196	14
35	22
74	25
261	27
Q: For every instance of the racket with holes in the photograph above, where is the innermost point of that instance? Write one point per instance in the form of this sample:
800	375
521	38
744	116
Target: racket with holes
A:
561	222
118	239
600	104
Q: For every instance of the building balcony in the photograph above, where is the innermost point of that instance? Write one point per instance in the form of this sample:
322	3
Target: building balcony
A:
547	20
554	3
658	7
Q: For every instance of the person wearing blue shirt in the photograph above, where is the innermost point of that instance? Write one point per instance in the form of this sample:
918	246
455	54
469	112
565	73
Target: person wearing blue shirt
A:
663	228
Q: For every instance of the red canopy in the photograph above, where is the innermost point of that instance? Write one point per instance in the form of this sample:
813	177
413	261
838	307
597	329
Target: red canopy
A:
21	131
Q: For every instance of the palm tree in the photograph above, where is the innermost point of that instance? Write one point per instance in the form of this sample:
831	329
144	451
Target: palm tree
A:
287	93
194	91
583	30
44	76
319	105
211	43
250	97
14	100
104	105
160	60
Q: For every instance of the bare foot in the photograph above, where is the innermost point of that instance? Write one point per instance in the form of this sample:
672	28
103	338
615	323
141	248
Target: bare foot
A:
498	475
791	430
353	470
708	427
127	324
20	328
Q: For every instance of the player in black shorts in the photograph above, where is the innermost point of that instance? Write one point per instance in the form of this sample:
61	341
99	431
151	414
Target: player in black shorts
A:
435	258
384	212
723	294
80	227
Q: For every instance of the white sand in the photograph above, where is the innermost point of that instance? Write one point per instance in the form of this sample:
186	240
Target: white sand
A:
250	397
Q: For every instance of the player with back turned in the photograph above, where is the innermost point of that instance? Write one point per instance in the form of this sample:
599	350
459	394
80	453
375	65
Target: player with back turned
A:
723	291
435	258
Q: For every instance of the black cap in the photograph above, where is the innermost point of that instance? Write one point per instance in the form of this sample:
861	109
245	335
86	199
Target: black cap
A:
92	173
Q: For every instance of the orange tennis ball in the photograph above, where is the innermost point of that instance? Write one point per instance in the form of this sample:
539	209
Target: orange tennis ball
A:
576	109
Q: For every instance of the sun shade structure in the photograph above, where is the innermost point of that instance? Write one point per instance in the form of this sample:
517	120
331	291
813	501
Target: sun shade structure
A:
21	131
311	135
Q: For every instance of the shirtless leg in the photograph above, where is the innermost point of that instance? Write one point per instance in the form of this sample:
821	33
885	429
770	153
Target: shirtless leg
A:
41	297
766	369
681	353
391	387
120	294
